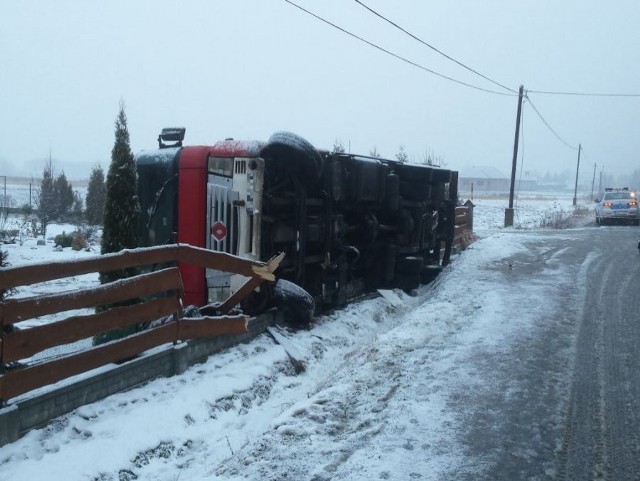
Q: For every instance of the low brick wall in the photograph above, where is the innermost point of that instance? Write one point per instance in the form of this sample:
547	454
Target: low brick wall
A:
32	412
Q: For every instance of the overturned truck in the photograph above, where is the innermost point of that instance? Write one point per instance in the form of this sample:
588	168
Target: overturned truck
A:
348	224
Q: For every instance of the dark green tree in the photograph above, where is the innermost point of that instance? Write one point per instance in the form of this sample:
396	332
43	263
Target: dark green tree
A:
4	215
63	196
96	197
46	208
122	207
76	209
121	214
3	263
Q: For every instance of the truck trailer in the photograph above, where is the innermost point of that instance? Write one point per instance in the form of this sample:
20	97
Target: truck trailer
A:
348	224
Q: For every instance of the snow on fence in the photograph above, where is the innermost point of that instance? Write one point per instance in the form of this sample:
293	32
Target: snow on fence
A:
463	230
162	291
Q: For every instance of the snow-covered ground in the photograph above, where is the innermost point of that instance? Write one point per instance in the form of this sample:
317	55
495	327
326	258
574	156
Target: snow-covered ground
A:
375	400
23	191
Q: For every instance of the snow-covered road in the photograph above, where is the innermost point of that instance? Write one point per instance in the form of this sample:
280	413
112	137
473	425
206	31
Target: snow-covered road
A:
430	390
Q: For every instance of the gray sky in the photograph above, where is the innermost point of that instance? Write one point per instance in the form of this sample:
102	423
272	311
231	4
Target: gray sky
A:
247	68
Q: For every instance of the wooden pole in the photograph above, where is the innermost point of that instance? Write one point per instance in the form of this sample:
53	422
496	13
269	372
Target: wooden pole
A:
508	213
575	192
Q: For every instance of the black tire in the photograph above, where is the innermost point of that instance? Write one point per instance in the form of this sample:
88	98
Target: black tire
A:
408	281
429	273
259	300
295	155
296	305
409	265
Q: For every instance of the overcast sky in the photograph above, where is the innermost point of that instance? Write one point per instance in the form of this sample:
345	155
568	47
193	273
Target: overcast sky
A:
247	68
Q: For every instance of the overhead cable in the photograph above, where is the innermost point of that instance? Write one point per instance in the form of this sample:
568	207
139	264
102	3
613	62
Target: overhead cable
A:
547	124
582	94
388	52
434	48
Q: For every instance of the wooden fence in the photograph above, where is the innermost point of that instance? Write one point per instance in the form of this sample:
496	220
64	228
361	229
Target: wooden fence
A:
161	293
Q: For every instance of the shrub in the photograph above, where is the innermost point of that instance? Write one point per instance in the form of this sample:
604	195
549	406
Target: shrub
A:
4	263
78	241
8	236
558	218
63	240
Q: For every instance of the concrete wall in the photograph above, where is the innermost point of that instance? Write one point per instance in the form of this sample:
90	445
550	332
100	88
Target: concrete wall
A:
36	411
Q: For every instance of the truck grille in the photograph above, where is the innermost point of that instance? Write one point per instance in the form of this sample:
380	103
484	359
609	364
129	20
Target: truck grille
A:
222	212
240	167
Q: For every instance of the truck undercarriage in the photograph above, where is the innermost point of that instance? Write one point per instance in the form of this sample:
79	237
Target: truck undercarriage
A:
348	224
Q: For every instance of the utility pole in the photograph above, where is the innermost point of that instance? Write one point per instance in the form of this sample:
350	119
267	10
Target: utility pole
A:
575	192
508	212
600	181
593	181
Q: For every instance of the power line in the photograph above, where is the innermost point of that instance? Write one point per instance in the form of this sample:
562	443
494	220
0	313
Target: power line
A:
433	48
582	94
388	52
547	124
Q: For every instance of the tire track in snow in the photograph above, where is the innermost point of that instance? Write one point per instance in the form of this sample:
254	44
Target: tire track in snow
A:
601	434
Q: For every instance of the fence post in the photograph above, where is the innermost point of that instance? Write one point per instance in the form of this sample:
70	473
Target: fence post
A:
469	205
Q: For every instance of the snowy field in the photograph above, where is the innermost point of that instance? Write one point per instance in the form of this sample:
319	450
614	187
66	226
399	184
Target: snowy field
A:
19	192
531	209
375	400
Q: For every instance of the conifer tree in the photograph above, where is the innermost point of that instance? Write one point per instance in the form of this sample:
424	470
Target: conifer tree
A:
402	155
3	254
63	196
3	263
46	209
96	197
76	210
121	215
122	207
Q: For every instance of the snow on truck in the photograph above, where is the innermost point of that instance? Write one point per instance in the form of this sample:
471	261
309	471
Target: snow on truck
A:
348	224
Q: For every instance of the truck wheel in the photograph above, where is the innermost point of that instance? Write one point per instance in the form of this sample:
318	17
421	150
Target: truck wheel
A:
429	273
293	154
296	305
259	300
409	264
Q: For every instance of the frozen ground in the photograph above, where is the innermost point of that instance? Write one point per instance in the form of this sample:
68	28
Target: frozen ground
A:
23	191
382	396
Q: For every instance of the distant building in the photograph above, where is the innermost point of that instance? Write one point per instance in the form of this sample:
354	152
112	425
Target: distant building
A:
483	179
527	182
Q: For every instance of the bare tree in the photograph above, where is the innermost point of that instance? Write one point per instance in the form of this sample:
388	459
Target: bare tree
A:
430	158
